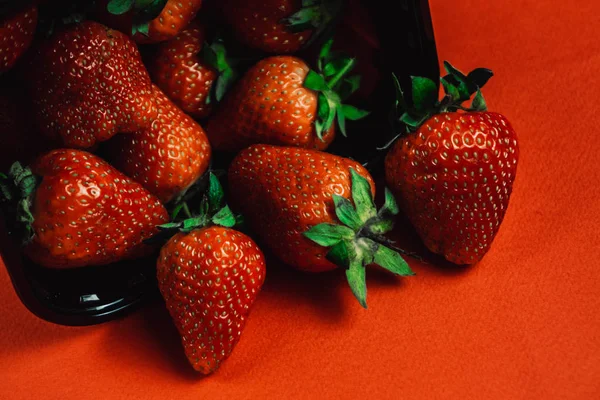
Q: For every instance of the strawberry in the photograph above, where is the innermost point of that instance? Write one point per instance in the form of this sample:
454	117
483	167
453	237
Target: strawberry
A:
166	158
281	101
315	211
187	71
77	210
87	83
210	276
16	34
453	172
152	21
278	26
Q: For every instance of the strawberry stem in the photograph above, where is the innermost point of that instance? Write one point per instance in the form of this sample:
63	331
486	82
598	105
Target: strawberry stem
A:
186	210
347	67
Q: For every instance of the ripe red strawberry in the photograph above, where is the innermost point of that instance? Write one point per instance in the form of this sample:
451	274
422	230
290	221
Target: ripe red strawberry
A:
209	277
87	83
166	158
293	198
16	34
281	101
187	71
78	211
278	26
453	172
150	21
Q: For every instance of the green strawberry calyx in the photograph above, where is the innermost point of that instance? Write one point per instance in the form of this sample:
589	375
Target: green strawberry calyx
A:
313	15
144	12
215	55
425	102
359	239
17	189
213	210
333	86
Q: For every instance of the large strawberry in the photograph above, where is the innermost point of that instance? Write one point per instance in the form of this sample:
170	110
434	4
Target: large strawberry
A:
150	21
191	73
281	101
87	83
315	211
16	34
453	171
166	158
76	210
278	26
209	276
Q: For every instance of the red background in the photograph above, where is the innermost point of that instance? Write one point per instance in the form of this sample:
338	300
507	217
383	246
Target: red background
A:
524	323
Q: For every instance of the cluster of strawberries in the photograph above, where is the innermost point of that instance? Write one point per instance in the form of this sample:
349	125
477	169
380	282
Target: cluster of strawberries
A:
124	149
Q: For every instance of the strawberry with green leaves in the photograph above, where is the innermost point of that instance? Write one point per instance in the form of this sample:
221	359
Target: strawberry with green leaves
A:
76	210
315	211
87	83
193	74
16	34
152	21
166	158
209	275
281	101
278	26
453	170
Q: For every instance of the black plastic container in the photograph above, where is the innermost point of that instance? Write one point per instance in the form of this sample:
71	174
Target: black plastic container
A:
94	295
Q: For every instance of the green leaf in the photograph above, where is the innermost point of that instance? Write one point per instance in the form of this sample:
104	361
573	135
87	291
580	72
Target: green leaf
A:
341	119
381	226
390	207
450	89
147	10
329	234
362	196
177	210
140	28
478	78
400	101
413	122
392	261
304	19
315	81
192	223
349	86
324	54
119	7
215	193
424	93
479	103
327	109
459	80
342	253
170	225
224	217
357	281
353	113
346	212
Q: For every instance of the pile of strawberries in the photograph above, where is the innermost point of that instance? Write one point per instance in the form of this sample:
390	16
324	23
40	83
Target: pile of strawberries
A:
109	162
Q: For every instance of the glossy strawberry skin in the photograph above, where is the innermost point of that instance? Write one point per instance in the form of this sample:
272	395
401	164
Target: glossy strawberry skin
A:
166	158
175	16
453	178
284	191
210	279
87	83
258	25
88	213
16	35
269	105
181	73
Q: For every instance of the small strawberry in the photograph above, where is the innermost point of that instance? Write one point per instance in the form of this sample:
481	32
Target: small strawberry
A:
166	158
453	172
152	21
87	83
187	70
16	34
281	101
209	276
294	200
76	210
278	26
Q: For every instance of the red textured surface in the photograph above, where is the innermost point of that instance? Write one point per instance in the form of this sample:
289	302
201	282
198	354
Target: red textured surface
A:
523	324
